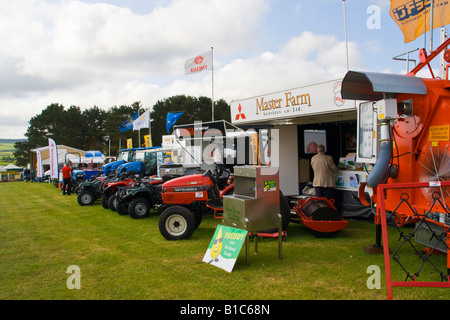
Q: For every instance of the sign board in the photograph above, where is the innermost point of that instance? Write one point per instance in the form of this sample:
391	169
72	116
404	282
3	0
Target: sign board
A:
203	129
129	143
439	133
225	247
298	102
168	141
148	141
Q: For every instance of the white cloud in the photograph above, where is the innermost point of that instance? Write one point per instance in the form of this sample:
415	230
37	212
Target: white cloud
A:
305	59
87	54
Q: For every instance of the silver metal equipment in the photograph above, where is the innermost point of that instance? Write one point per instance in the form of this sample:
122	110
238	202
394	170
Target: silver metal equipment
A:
255	204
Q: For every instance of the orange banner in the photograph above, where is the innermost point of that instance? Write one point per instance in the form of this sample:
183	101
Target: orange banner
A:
413	16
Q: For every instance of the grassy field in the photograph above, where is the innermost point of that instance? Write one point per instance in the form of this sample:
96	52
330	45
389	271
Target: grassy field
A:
6	152
42	233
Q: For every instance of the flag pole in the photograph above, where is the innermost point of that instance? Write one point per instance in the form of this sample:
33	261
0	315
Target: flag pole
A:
150	129
212	82
345	29
139	133
431	26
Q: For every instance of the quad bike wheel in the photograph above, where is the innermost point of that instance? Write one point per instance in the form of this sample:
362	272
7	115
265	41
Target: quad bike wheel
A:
139	208
105	203
113	202
176	223
86	198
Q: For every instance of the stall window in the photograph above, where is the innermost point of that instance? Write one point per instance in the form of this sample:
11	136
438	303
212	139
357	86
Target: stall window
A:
314	138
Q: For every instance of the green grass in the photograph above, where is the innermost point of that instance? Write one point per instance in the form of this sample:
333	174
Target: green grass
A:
42	233
6	152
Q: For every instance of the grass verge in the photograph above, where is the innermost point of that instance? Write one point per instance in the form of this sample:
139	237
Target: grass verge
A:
42	233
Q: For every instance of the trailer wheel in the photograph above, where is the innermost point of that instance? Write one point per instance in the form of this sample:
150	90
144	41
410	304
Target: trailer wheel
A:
139	208
86	198
176	223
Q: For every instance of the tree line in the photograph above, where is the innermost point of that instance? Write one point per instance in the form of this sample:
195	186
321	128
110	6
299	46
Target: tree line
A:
98	129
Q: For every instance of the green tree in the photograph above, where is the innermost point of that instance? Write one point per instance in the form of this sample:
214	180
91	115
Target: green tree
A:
95	135
113	119
97	129
195	109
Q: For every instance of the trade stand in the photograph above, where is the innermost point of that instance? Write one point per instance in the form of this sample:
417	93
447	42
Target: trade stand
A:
299	119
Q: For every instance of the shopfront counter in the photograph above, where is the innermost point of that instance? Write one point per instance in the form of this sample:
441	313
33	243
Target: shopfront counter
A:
347	197
349	180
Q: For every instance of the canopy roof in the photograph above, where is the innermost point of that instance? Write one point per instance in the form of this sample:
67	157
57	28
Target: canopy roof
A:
10	167
372	86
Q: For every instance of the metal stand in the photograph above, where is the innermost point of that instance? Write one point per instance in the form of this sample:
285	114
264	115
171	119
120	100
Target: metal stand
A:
280	241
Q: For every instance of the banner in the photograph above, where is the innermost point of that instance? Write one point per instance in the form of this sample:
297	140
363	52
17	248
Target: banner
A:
225	246
143	121
172	117
39	169
413	16
201	62
129	143
128	124
53	155
148	141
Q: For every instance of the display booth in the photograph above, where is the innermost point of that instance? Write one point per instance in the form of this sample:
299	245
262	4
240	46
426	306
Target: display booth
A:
299	120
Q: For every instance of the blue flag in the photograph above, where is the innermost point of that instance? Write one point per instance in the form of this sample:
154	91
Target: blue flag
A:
172	117
128	124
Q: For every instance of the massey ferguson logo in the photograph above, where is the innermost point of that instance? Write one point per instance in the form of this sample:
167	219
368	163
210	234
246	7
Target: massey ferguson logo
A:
410	9
198	60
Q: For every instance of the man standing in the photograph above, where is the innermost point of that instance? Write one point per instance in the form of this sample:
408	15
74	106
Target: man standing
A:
324	169
67	178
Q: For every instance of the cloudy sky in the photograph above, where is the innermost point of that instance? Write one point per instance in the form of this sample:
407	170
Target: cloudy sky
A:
109	52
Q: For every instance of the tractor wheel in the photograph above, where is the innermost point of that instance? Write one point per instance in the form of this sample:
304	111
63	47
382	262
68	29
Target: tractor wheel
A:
113	202
198	220
86	198
176	223
139	208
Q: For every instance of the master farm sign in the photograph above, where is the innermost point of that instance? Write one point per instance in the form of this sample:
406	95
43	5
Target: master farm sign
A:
303	101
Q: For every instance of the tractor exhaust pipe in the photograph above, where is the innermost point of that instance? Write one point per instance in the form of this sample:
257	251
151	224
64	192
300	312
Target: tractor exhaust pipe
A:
380	171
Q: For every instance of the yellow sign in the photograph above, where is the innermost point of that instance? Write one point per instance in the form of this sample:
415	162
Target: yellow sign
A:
129	143
413	16
148	141
439	133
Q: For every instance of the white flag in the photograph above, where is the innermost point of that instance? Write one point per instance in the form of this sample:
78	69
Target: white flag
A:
201	62
142	121
53	153
39	171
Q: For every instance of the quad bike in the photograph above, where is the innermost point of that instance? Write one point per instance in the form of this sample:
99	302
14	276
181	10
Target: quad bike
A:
108	192
138	198
88	192
188	198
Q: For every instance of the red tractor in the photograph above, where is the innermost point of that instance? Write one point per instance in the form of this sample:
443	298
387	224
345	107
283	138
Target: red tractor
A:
186	199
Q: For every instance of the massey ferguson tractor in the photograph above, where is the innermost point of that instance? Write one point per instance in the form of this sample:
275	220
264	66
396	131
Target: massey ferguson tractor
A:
404	132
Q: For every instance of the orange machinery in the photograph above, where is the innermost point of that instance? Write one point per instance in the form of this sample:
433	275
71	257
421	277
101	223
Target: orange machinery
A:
412	131
404	132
